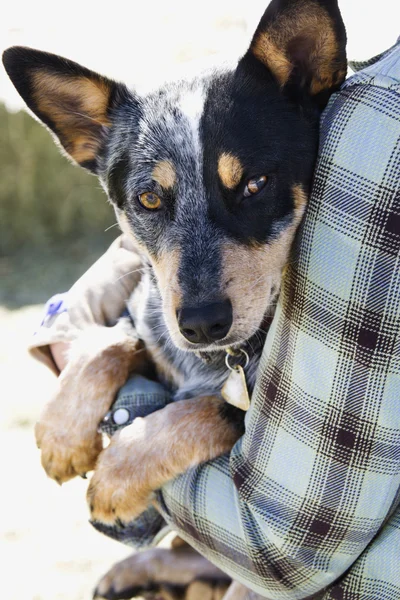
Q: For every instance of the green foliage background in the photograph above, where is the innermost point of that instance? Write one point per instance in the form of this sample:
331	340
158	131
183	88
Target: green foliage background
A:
53	215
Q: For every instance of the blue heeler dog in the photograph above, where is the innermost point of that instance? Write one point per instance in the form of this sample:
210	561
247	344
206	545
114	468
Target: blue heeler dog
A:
210	177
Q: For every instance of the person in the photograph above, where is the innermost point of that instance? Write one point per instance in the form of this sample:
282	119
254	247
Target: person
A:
308	502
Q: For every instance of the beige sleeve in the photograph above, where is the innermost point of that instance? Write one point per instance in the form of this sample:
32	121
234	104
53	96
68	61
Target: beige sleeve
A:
98	297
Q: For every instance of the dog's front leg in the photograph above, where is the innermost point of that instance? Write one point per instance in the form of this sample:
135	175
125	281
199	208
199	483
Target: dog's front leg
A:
100	362
145	455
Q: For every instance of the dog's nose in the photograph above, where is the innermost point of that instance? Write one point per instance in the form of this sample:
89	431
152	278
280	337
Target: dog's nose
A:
207	323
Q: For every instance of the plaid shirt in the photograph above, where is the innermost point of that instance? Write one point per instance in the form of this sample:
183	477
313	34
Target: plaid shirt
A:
306	505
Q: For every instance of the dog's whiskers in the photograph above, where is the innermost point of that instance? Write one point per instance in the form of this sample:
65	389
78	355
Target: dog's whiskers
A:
264	331
140	269
257	281
163	333
111	226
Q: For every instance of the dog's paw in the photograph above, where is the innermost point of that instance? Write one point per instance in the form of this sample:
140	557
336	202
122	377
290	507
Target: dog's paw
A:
65	455
160	573
100	360
119	490
126	579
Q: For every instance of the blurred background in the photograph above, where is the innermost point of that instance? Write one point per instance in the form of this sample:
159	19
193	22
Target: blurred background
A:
55	221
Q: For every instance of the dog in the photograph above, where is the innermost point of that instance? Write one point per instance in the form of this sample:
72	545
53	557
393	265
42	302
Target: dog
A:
210	177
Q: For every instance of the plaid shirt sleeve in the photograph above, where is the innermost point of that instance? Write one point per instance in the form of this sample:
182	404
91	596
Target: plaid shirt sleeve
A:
306	505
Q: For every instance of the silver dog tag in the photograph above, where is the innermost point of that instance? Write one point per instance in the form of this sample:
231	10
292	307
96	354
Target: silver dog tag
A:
234	390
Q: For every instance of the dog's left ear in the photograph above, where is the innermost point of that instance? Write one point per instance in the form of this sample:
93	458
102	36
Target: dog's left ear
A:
303	44
75	103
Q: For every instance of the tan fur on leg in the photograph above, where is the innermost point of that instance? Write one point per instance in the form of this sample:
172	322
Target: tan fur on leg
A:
178	543
165	572
100	362
151	451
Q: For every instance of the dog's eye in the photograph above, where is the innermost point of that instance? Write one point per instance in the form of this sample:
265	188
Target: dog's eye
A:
150	200
253	186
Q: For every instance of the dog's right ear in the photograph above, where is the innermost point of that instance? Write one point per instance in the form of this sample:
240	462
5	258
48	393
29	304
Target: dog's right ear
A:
302	43
74	102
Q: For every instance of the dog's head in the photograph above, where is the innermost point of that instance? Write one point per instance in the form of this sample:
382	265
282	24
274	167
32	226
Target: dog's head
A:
210	176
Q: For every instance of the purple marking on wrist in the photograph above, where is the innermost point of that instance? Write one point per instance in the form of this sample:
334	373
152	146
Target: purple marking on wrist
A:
54	306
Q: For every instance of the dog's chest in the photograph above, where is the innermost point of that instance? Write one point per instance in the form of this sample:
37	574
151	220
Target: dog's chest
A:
186	374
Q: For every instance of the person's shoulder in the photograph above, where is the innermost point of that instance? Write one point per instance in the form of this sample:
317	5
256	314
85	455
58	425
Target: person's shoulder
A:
382	70
365	115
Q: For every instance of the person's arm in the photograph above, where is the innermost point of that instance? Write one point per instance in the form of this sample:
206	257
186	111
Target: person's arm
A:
59	354
317	472
98	297
83	337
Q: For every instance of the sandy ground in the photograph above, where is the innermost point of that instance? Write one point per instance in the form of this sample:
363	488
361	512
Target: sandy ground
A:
49	550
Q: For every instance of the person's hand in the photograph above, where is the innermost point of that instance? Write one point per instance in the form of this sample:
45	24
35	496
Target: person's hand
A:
59	352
